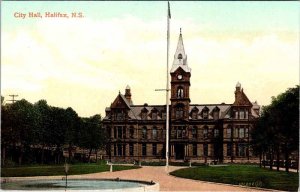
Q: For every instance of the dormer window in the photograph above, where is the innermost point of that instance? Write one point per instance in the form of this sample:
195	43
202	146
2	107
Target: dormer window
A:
194	115
144	115
179	56
205	113
216	115
154	116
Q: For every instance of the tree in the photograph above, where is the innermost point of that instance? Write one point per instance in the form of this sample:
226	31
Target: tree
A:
91	134
23	121
277	130
43	130
71	128
2	100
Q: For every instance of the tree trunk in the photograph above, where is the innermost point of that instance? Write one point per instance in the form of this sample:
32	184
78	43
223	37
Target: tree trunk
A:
20	155
260	154
43	154
264	160
90	154
96	155
271	159
278	158
70	151
287	163
3	155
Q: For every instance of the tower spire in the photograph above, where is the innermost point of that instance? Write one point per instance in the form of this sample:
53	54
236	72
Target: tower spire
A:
180	57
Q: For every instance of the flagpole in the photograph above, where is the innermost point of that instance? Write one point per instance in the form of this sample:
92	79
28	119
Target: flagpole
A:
167	89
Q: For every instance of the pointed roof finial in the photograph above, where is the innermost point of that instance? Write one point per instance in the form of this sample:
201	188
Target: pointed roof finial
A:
180	30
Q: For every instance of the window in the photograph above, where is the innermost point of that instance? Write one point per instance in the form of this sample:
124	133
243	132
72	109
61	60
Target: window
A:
179	56
236	132
194	132
241	150
154	115
163	115
236	114
144	115
216	115
246	114
242	114
119	149
194	149
205	132
144	133
216	132
119	115
144	149
181	132
154	149
229	132
179	92
229	149
154	133
241	132
120	132
131	149
131	132
194	115
246	132
205	150
179	112
205	114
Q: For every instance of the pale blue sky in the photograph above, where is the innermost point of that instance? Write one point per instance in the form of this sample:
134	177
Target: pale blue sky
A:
83	63
224	16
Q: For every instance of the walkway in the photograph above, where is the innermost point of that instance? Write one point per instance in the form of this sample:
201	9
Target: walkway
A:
166	181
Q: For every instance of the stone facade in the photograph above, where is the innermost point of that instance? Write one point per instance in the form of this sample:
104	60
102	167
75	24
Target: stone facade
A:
202	132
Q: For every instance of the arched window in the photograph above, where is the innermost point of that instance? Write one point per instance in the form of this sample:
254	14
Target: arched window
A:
205	132
144	133
194	132
154	133
180	92
179	56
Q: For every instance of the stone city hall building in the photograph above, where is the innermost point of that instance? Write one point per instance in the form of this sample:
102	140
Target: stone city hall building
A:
198	132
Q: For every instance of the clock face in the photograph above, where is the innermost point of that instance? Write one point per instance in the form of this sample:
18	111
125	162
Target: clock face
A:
179	76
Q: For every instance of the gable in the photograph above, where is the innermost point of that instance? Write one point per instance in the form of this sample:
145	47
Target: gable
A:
241	99
119	102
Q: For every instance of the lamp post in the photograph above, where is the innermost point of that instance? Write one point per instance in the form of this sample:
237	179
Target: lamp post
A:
67	167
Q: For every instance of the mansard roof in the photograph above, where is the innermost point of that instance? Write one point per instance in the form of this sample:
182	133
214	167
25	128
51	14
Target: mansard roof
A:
224	112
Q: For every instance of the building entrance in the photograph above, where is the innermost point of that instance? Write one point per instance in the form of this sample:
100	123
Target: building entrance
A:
179	151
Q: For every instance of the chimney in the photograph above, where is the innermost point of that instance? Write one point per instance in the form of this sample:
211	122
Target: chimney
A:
128	94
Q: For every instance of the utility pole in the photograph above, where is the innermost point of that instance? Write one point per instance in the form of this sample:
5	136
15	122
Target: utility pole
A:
13	98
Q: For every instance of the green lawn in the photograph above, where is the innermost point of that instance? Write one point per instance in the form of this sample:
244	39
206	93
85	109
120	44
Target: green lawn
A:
248	175
75	169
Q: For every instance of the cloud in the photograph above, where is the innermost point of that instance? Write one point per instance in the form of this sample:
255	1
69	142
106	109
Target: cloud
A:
84	63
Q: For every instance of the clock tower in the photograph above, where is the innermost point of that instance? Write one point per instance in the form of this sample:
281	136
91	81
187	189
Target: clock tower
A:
180	84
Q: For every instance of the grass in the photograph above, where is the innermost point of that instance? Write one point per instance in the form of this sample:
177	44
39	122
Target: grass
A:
247	175
50	170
